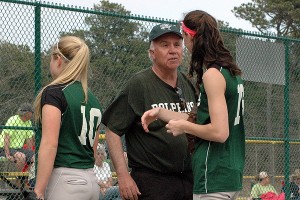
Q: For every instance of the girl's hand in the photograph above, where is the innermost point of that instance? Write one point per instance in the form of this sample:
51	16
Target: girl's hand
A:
148	117
175	127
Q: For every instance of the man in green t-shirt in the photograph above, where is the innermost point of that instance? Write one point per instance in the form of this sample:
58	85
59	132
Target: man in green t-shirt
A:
13	140
160	163
263	186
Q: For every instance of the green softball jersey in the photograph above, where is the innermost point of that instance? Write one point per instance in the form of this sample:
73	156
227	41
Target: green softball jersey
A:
155	150
17	137
79	123
218	167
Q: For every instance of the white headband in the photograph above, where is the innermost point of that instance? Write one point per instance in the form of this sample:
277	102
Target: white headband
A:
61	53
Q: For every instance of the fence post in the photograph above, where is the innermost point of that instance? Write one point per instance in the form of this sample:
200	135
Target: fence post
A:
37	48
287	121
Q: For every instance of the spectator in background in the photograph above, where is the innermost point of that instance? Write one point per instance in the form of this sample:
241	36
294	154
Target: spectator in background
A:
13	140
294	185
104	176
263	186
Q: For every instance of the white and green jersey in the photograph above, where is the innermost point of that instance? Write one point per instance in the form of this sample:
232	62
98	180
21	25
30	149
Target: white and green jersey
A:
218	167
79	123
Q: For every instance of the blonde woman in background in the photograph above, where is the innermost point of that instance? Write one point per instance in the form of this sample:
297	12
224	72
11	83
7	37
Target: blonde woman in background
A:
104	176
68	115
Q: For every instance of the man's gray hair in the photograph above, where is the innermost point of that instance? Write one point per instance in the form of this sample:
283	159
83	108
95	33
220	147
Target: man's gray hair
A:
151	48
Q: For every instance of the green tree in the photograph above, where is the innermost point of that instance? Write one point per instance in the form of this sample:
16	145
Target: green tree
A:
118	48
229	37
17	77
281	16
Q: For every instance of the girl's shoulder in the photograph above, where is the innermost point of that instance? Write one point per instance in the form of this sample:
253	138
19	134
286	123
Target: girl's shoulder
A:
56	87
212	74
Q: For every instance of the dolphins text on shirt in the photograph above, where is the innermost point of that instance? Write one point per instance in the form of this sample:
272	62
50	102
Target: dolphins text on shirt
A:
174	106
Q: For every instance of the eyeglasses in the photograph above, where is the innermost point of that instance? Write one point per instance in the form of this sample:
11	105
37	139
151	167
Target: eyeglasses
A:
182	101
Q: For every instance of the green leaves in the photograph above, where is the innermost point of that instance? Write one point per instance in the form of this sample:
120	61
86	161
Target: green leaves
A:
279	16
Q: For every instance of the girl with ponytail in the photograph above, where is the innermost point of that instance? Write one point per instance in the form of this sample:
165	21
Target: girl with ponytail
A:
68	116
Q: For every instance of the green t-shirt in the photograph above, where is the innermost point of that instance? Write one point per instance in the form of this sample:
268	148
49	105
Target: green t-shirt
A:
218	167
79	123
17	137
155	150
258	190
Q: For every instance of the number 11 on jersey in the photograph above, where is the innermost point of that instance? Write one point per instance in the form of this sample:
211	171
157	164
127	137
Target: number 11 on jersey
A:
240	90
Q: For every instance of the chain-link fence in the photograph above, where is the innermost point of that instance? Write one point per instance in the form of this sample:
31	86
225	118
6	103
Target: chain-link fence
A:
119	44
